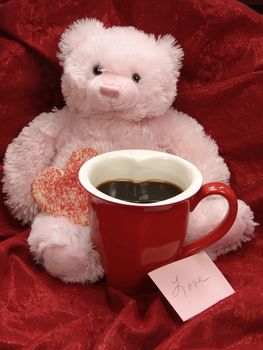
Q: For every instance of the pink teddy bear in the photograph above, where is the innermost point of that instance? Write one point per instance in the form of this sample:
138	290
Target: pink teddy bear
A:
119	85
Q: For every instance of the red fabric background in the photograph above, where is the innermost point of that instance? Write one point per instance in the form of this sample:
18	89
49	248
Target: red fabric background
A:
222	86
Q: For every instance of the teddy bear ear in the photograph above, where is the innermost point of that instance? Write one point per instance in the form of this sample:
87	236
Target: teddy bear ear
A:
78	32
173	49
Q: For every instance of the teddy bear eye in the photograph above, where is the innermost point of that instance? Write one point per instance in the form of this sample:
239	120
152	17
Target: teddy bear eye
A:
136	77
97	70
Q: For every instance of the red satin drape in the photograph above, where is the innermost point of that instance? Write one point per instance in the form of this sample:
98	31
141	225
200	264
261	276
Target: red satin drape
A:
222	86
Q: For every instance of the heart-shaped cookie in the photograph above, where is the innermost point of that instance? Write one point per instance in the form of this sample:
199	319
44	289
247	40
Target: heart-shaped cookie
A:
58	192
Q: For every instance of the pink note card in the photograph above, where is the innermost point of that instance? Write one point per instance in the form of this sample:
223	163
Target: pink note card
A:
191	285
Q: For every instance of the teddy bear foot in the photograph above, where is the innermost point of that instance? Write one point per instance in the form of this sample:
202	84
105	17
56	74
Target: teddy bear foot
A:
65	249
210	212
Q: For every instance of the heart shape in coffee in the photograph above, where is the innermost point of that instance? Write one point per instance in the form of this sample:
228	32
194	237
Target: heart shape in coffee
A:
149	191
58	192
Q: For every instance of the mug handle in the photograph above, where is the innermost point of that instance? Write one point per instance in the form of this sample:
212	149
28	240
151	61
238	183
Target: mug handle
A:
210	189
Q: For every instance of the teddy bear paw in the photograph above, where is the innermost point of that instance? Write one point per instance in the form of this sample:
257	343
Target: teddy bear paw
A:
209	213
65	249
241	231
67	264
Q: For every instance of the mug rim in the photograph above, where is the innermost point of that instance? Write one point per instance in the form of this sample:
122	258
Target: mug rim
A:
140	154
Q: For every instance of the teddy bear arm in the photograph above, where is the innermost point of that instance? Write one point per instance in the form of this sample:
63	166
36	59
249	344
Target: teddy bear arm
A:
187	138
28	154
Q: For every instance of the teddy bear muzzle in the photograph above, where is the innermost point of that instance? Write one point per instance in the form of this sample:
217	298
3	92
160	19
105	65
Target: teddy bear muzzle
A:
109	90
112	92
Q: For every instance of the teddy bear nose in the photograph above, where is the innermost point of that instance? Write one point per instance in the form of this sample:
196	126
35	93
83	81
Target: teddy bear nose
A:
109	90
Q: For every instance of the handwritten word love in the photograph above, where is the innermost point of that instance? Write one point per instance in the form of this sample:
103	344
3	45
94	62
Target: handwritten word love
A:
187	289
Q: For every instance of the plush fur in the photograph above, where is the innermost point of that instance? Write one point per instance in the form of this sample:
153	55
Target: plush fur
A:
106	112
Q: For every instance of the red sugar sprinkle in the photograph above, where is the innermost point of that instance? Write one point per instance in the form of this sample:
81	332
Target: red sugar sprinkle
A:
59	193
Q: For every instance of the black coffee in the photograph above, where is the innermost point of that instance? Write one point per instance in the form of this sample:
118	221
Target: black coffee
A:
140	192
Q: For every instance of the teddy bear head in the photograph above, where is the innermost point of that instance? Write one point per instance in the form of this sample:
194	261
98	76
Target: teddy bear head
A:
118	71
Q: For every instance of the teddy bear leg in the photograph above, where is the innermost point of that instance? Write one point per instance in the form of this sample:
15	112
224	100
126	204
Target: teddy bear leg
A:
209	213
64	249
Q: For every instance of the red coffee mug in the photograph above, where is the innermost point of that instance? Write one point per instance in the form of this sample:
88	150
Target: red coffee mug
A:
134	238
